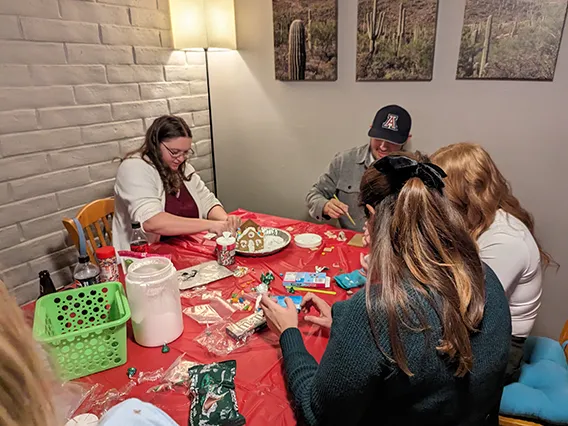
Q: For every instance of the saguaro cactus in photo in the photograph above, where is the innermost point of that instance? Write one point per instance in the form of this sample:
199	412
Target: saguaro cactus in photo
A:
309	31
401	28
375	24
486	46
297	51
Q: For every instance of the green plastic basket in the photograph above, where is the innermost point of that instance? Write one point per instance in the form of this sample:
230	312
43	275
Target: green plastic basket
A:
84	328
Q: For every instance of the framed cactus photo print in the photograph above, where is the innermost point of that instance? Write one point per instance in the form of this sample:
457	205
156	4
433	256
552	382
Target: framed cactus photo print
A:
396	40
511	39
305	40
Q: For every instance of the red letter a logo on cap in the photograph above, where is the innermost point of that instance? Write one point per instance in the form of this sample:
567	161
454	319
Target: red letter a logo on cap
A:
391	123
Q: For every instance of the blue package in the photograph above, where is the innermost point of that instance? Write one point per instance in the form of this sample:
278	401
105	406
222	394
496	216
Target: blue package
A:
282	302
351	280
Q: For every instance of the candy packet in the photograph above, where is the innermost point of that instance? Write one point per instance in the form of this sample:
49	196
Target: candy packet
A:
214	402
351	280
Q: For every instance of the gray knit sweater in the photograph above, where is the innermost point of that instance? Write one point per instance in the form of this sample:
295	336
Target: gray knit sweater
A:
355	384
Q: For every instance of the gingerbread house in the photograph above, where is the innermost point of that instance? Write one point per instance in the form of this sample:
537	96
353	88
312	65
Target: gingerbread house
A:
250	237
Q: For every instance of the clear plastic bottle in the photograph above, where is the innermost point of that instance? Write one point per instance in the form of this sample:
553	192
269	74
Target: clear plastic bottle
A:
86	273
138	240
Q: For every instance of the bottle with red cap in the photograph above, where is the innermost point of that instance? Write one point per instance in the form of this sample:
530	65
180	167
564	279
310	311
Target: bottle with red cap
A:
108	263
138	240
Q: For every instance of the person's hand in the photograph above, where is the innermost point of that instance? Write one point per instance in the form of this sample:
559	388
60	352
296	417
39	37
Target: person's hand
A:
364	259
234	223
311	300
366	235
219	226
335	209
277	317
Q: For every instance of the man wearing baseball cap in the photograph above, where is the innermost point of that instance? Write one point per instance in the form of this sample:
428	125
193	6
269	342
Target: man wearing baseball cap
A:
389	132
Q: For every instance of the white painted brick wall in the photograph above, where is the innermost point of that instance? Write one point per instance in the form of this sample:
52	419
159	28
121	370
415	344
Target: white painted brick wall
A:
190	73
57	30
25	52
25	143
159	56
47	75
90	12
10	28
18	121
129	110
163	90
52	118
97	54
34	97
150	18
114	34
104	93
135	73
80	81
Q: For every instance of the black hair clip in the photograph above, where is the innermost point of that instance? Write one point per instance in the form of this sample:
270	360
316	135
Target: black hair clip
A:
400	169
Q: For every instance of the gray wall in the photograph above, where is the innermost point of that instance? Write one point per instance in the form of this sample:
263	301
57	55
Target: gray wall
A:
272	139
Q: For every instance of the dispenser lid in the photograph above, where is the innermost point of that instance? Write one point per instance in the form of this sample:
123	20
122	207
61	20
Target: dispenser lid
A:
226	240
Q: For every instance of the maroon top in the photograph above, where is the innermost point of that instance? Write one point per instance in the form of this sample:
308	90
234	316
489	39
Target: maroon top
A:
183	205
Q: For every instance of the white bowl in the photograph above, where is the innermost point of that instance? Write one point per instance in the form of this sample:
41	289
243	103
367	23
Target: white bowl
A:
308	240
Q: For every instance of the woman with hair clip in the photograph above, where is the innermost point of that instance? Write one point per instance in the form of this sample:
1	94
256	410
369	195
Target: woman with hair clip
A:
158	188
504	232
426	342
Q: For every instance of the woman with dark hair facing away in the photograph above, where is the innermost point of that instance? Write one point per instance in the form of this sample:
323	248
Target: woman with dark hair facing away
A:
504	232
158	188
426	341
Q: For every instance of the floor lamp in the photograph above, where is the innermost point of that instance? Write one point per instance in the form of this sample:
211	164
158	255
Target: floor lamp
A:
207	25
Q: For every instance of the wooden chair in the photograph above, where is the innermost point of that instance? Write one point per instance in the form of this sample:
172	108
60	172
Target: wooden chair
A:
509	421
96	220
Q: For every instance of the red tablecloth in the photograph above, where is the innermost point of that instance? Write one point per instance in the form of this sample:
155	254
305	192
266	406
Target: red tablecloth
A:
260	385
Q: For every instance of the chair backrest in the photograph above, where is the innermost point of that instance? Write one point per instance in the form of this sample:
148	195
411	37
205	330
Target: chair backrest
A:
564	339
96	220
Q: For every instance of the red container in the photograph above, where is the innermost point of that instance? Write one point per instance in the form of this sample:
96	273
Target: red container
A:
225	249
108	263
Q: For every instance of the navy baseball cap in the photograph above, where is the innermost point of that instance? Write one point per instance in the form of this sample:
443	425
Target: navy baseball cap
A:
392	124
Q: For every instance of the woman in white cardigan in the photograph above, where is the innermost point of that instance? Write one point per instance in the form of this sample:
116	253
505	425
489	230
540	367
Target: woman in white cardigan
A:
158	188
504	232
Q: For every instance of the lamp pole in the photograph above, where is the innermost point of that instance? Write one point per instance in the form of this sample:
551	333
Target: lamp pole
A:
210	120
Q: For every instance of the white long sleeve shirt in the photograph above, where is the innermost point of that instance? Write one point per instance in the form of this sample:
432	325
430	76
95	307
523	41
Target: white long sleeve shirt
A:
140	195
510	250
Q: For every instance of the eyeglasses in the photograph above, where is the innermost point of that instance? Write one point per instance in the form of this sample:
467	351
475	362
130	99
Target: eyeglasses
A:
178	154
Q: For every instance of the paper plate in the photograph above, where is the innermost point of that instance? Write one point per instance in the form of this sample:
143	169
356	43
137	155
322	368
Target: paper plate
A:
83	420
308	240
275	240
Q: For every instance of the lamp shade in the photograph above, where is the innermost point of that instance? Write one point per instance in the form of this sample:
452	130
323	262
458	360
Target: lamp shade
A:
203	24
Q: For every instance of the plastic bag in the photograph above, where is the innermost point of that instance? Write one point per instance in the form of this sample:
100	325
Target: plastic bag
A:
98	403
203	314
216	340
176	376
202	274
216	310
224	337
214	401
201	292
150	376
69	396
